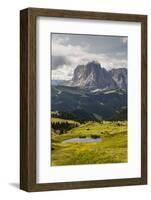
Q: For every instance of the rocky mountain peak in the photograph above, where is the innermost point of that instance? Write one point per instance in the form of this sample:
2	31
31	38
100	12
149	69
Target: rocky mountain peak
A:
84	71
120	77
92	75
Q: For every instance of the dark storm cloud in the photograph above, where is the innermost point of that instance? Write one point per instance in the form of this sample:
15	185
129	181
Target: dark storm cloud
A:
58	61
109	45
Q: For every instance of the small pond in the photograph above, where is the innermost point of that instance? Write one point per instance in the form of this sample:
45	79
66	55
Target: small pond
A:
82	140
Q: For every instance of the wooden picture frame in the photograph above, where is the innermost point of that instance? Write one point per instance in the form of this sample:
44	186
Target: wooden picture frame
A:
28	98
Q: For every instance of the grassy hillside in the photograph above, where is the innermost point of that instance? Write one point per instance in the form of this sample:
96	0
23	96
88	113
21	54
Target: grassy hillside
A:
112	148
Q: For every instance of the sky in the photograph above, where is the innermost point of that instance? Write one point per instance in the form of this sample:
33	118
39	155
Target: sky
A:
70	50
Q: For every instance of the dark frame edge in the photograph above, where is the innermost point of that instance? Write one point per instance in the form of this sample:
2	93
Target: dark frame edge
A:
24	99
27	103
144	145
94	15
87	184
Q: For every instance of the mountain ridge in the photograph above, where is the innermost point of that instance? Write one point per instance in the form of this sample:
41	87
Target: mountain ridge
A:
93	76
85	105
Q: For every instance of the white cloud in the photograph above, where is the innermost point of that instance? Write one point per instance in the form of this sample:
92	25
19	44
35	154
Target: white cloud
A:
62	73
124	40
77	54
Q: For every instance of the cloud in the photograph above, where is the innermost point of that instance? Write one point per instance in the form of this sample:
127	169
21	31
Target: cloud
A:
68	51
58	61
124	40
62	73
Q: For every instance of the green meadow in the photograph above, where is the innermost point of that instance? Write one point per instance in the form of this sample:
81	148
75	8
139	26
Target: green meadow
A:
112	148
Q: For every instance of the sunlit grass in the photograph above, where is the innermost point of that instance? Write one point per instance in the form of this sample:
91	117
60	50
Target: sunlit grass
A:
112	148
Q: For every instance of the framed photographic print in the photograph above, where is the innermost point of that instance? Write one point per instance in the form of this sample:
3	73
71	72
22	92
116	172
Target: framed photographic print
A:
83	93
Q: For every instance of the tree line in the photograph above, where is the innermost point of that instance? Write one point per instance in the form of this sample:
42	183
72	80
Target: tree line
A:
63	127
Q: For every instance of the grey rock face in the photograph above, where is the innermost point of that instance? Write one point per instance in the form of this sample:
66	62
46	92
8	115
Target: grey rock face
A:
120	77
92	75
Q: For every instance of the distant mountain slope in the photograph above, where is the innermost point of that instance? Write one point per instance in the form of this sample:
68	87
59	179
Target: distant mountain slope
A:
60	82
84	104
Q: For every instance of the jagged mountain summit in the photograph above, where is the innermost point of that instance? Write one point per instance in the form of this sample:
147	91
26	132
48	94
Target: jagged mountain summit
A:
120	77
93	76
